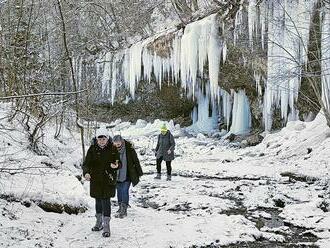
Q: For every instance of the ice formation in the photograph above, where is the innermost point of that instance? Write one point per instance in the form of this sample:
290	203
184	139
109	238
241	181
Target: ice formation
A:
241	122
325	46
288	36
283	25
205	115
199	45
226	107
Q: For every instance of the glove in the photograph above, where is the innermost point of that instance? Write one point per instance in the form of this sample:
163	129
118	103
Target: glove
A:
88	177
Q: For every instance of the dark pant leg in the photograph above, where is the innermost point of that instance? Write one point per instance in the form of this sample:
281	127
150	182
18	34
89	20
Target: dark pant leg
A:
119	192
159	164
125	192
168	167
98	205
106	206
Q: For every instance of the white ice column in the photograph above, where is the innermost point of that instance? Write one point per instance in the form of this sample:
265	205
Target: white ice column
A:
135	63
226	106
105	82
147	60
215	48
241	122
205	115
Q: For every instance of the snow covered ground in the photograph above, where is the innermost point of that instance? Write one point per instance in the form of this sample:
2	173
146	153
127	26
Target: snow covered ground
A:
275	194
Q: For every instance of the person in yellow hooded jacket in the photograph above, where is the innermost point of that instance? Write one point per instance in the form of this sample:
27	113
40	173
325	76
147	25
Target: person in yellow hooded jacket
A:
165	151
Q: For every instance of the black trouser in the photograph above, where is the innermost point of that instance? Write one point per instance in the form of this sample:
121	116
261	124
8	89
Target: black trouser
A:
168	166
103	206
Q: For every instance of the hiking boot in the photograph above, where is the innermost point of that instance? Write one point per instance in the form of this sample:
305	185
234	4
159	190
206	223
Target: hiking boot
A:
119	207
98	225
169	178
159	176
123	212
106	227
119	211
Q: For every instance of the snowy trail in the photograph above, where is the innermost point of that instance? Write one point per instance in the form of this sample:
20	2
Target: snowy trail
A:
190	211
220	195
157	224
187	212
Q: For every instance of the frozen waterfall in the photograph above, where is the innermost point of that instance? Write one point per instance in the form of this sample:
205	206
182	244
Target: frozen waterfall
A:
285	29
288	36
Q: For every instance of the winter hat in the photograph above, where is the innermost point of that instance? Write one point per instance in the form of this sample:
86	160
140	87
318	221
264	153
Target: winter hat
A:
163	128
117	138
102	131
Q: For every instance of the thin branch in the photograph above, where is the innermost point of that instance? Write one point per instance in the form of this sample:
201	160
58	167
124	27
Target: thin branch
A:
43	94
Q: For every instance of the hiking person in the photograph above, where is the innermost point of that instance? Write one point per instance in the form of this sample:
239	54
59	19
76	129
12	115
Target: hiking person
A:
100	168
129	173
165	151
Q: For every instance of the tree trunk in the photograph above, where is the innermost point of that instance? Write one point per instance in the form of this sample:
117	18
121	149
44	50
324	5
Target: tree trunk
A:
69	58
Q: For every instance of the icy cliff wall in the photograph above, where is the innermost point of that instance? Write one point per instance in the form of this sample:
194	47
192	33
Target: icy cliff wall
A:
276	33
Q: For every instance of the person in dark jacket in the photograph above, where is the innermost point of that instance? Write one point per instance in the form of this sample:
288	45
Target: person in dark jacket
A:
100	168
130	172
165	151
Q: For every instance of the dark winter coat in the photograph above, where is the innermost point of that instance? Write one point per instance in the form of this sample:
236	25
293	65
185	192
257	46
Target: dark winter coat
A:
165	142
134	170
103	177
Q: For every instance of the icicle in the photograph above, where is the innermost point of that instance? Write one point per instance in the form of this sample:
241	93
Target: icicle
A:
288	35
114	78
175	56
126	67
200	43
224	52
135	61
226	106
238	24
252	20
189	56
147	60
263	12
214	55
325	46
257	79
106	75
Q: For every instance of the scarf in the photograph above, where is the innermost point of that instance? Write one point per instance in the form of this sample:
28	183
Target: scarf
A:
122	173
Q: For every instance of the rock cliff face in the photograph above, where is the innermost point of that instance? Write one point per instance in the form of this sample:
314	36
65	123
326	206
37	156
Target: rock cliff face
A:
151	103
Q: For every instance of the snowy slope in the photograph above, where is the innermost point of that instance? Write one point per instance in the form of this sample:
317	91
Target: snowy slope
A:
39	178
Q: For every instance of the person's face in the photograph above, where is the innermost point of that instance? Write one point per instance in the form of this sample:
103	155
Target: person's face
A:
163	132
117	144
102	140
